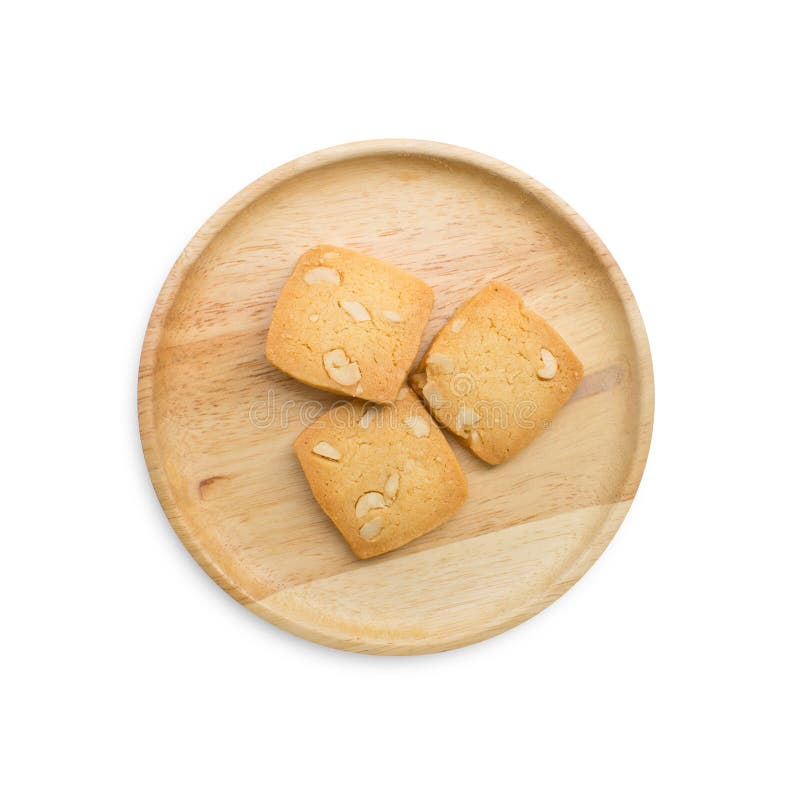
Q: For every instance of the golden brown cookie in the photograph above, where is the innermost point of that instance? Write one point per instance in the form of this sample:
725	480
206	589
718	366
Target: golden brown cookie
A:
496	374
349	323
384	474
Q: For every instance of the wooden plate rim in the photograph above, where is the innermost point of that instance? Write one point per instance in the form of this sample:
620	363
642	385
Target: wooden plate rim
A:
570	574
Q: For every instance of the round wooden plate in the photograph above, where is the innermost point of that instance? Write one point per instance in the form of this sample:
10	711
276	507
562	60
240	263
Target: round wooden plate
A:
217	421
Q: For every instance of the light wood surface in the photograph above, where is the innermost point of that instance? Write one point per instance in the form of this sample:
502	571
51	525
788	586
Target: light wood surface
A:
217	421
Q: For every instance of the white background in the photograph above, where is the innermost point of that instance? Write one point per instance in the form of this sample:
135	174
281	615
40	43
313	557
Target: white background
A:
671	670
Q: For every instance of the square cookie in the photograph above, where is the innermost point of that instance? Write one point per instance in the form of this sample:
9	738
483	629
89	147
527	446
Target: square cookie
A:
496	374
349	323
383	474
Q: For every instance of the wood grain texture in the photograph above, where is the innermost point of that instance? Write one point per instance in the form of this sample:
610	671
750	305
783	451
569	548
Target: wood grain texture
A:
217	421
